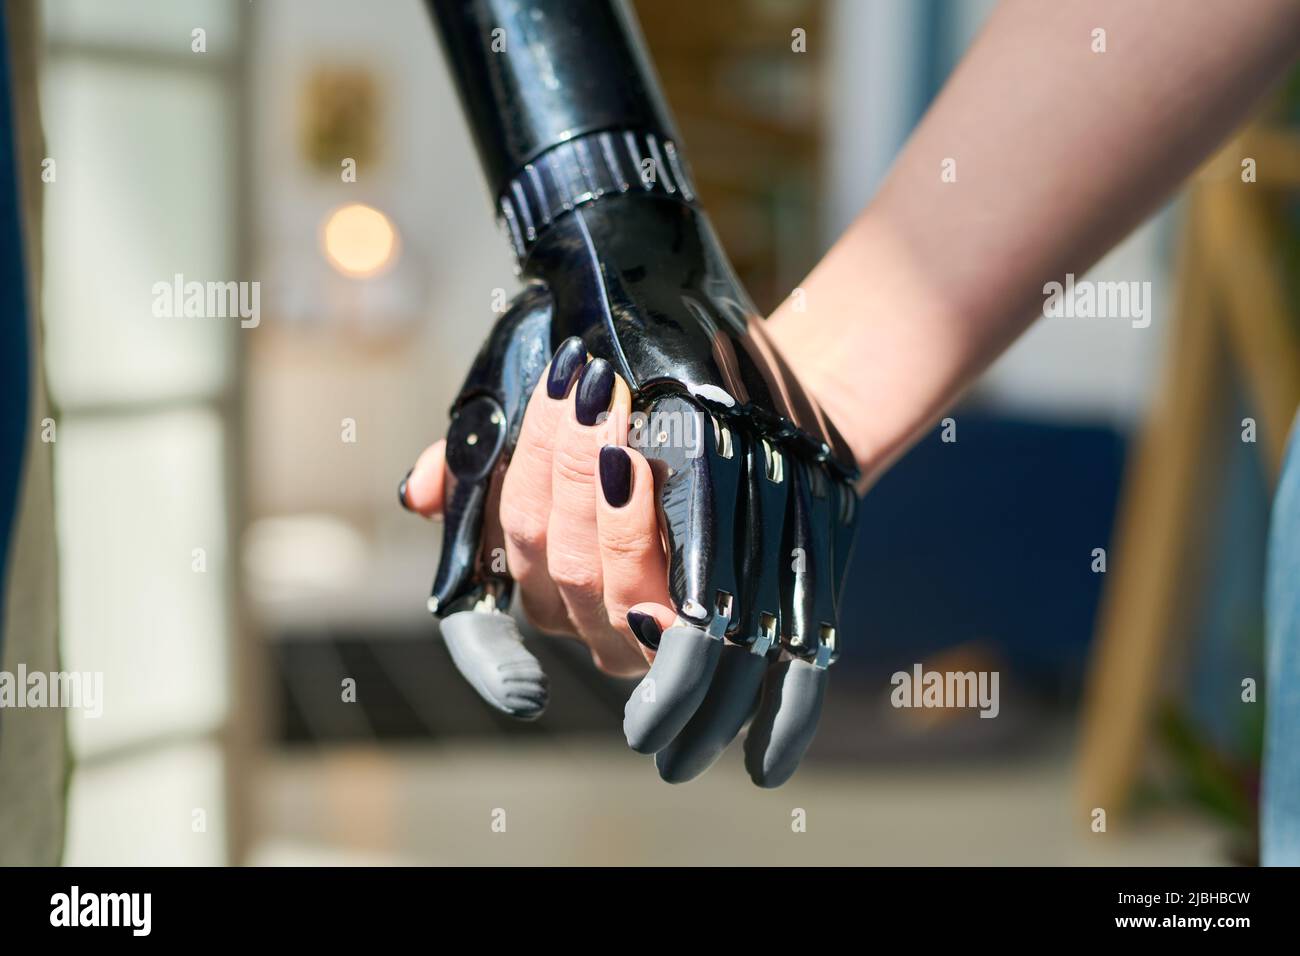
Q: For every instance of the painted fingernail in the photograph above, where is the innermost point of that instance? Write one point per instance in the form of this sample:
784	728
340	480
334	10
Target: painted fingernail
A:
595	389
569	357
645	628
401	491
615	475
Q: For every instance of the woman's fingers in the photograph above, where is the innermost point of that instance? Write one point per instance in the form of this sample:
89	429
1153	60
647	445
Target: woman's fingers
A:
421	490
632	560
526	498
596	417
577	512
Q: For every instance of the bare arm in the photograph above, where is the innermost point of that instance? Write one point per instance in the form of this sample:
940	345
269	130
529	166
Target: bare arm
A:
1059	152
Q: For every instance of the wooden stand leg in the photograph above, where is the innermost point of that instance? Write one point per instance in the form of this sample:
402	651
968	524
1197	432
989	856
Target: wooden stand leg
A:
1156	528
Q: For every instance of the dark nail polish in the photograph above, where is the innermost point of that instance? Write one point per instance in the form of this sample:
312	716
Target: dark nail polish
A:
645	628
595	389
615	475
401	491
569	357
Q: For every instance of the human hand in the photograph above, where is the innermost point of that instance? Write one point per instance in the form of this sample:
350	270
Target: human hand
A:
692	509
576	524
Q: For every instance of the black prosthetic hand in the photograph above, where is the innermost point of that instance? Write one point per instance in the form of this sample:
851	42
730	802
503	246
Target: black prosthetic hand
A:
755	486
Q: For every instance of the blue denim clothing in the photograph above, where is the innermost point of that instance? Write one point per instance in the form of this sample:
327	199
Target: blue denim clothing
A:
15	347
1280	795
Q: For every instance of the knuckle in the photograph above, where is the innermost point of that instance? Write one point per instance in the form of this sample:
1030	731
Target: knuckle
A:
536	434
574	466
574	573
524	529
624	544
545	617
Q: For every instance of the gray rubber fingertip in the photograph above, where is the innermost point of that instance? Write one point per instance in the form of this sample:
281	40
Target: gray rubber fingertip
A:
490	654
728	704
786	721
672	690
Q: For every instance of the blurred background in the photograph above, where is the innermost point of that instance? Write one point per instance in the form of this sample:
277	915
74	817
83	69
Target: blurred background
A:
233	555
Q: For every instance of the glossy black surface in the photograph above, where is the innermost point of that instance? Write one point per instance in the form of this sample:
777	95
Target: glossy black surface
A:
758	543
560	68
566	123
484	428
568	361
615	475
594	390
642	279
699	489
401	490
645	628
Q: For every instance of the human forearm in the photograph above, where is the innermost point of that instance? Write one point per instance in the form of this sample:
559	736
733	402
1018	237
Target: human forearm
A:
1057	152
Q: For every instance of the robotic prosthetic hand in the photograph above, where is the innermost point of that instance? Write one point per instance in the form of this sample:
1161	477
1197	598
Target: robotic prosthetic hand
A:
754	485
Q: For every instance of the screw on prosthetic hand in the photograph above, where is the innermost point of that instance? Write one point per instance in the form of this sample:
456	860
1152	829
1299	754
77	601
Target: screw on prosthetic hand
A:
472	589
754	485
